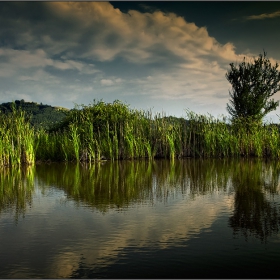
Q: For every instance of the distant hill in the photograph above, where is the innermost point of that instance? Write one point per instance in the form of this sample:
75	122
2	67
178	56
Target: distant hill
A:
41	116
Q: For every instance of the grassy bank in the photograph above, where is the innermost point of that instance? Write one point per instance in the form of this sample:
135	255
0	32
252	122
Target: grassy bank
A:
114	131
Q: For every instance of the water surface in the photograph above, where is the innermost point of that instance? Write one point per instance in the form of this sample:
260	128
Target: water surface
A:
141	219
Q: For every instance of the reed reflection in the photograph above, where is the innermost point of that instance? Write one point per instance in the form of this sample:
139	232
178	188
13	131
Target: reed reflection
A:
208	175
118	184
114	184
16	190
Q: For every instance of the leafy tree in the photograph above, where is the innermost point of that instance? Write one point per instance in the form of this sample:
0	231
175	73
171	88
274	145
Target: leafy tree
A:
253	83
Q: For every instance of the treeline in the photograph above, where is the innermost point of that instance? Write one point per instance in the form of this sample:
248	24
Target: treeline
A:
114	131
39	115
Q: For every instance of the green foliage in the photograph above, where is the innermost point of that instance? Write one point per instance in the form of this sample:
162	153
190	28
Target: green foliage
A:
114	131
16	139
253	83
39	115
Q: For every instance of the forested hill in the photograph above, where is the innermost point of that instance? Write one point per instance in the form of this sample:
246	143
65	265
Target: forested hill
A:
40	115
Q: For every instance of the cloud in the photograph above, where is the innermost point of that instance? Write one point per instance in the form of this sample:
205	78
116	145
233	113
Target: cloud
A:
77	46
106	82
110	82
98	31
15	60
147	8
263	16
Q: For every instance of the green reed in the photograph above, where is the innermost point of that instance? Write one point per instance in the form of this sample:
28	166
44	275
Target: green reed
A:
16	139
115	131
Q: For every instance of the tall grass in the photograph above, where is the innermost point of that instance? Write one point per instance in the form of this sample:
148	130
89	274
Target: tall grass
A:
115	131
16	139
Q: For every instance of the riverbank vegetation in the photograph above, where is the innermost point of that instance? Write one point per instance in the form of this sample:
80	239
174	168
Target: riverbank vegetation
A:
30	132
114	131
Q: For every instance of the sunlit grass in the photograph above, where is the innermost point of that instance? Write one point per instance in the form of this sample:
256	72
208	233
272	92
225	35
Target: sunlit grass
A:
16	139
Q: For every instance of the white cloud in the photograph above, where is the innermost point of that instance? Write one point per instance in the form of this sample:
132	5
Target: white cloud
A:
111	82
106	82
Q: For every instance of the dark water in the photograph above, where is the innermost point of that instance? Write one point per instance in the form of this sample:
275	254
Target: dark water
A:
140	219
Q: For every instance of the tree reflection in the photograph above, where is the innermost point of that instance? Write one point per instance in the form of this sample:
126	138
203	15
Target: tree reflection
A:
253	213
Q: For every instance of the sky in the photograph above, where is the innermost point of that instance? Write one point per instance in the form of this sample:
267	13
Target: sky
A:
161	56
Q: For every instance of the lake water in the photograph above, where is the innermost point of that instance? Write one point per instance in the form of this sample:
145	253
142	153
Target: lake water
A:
189	218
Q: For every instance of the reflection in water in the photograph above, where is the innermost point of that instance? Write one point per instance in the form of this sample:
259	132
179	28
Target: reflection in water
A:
148	208
16	189
253	213
100	185
120	183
